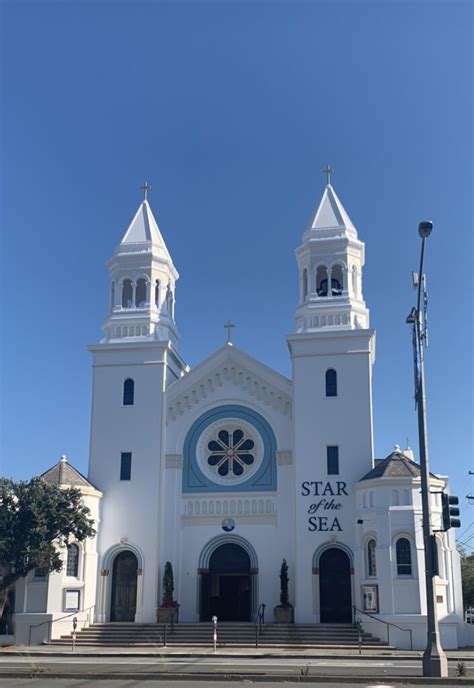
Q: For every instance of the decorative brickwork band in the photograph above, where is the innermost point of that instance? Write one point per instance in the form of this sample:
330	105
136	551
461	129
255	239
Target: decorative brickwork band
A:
104	572
203	570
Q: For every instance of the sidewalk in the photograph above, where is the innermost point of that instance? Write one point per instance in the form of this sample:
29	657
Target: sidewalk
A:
462	654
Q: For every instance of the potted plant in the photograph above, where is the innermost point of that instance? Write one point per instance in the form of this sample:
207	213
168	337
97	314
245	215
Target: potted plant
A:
168	608
284	611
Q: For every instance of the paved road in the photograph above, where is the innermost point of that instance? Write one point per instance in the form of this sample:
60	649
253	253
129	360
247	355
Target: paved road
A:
215	665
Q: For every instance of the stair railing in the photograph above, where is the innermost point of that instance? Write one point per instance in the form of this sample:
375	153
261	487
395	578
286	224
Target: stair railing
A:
50	621
387	623
259	622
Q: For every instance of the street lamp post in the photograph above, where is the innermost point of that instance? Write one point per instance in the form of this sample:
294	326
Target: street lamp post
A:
434	659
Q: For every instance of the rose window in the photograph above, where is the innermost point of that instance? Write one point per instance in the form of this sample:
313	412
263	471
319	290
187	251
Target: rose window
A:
231	452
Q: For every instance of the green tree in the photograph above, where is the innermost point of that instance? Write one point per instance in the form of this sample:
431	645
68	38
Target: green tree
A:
284	584
168	585
34	518
467	575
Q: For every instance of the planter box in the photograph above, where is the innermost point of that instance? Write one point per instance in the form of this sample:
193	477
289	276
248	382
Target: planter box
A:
165	614
284	614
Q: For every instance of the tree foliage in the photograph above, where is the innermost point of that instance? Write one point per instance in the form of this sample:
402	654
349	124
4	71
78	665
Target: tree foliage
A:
34	518
284	583
467	574
168	585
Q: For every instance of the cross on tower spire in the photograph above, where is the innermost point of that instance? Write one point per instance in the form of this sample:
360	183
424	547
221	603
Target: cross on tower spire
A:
228	326
146	187
328	170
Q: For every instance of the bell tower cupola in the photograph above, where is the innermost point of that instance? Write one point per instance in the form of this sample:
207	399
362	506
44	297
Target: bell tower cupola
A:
142	284
330	261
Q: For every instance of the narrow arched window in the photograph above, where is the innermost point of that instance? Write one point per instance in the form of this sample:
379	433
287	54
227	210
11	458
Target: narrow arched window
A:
331	383
403	551
395	498
128	392
127	294
140	293
112	296
72	565
157	293
305	284
371	561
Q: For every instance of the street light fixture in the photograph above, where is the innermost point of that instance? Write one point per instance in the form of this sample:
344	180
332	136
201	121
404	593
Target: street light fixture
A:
435	662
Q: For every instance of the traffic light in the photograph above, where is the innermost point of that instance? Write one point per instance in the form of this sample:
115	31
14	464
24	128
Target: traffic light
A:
450	511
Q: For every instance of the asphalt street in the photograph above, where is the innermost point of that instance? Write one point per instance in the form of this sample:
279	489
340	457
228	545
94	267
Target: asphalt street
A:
210	665
118	683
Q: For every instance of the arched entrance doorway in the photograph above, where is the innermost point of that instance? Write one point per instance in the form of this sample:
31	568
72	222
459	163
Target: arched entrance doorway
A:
124	587
226	588
335	586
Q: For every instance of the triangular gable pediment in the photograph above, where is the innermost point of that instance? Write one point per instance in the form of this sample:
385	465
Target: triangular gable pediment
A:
229	365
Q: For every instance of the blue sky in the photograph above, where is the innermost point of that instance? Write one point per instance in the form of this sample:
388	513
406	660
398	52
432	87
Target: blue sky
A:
231	110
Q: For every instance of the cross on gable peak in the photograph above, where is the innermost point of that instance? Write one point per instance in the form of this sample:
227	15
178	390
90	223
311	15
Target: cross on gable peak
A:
228	326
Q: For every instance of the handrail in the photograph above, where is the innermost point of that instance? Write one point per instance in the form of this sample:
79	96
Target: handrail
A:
259	622
387	623
50	621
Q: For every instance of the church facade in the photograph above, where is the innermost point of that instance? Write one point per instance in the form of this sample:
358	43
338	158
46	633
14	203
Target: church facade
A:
229	468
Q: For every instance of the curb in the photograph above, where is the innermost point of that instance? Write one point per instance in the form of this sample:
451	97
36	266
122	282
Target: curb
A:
225	655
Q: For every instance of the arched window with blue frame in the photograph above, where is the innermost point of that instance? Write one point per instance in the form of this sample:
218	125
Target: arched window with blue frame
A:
128	392
331	383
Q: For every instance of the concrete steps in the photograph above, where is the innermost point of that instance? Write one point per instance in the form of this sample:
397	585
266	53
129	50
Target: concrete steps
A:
230	634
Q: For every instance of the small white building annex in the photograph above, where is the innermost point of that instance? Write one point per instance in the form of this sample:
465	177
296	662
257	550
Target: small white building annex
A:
229	468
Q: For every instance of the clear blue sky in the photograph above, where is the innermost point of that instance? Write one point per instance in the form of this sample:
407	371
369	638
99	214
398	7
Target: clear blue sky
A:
231	110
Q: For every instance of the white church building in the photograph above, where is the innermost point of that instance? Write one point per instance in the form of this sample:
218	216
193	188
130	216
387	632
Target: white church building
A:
228	468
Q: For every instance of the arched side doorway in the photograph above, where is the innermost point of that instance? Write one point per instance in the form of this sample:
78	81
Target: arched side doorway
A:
228	579
123	601
335	595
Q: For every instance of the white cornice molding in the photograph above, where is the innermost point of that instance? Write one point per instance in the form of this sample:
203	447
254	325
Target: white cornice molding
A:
284	457
173	461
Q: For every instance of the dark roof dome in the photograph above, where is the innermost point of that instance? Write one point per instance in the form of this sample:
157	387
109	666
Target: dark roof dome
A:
396	465
62	473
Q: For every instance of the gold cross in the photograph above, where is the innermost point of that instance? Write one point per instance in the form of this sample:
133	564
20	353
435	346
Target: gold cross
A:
146	187
328	171
228	326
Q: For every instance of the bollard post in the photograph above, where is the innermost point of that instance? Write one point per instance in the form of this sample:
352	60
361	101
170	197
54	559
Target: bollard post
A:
74	626
214	621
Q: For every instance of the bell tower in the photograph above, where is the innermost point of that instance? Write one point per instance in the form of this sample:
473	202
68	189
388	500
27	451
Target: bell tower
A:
332	355
330	261
132	367
142	283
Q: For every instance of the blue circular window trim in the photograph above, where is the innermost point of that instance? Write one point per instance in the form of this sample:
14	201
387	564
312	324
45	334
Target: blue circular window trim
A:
265	479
